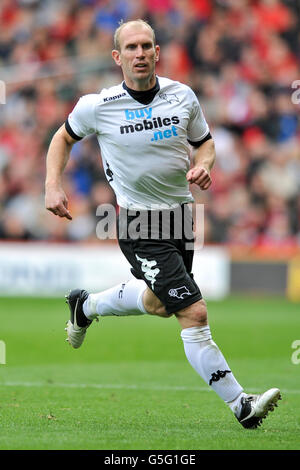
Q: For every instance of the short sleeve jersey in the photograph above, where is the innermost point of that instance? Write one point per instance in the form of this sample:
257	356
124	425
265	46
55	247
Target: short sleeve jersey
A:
144	148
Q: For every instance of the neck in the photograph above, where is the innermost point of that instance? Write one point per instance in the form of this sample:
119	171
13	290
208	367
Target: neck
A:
143	96
141	85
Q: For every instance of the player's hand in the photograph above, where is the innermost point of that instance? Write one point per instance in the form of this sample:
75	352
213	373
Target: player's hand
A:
199	176
56	202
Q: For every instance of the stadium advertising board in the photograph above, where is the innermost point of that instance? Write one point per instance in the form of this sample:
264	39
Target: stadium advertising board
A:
52	270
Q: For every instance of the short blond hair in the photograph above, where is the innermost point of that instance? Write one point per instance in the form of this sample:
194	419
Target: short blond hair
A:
133	22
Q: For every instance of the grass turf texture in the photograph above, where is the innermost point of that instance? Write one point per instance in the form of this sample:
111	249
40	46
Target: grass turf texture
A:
130	386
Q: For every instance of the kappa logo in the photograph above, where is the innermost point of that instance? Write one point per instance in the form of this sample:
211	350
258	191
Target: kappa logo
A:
220	374
148	268
170	98
179	293
113	98
109	173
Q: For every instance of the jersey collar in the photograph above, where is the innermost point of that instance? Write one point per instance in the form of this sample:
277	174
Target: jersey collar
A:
143	97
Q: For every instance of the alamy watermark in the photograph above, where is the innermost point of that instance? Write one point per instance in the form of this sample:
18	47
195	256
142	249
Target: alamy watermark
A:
2	92
158	222
296	94
296	354
2	352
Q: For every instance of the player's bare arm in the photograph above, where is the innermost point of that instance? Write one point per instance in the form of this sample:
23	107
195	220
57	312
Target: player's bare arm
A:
58	154
204	159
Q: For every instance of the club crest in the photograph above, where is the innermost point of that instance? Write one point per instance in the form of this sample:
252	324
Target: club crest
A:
179	293
169	97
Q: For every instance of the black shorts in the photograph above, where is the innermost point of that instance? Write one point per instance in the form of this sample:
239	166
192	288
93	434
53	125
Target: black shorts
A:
161	254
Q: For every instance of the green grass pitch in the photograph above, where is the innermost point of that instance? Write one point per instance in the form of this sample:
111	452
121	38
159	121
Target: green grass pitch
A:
130	386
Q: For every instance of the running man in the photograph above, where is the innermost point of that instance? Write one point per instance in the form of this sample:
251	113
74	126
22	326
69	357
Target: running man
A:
145	127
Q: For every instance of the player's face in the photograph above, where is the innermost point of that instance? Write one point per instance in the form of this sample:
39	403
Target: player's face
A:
137	57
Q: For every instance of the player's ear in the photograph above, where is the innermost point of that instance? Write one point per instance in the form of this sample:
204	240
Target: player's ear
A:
116	56
157	51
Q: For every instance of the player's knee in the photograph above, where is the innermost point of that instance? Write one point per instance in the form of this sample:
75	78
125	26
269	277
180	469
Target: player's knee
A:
156	309
160	311
195	314
201	313
153	305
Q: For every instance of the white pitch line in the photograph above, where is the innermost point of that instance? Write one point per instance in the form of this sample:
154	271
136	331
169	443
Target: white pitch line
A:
104	386
174	388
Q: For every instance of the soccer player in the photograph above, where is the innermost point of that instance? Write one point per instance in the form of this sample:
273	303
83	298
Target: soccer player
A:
145	127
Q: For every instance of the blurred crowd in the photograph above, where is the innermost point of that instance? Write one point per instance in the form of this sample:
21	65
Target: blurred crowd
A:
242	58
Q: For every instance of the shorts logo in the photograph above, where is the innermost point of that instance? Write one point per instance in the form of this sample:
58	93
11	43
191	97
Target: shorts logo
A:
179	293
147	268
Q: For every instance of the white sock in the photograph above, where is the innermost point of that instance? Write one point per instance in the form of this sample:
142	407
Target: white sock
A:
206	358
121	300
235	405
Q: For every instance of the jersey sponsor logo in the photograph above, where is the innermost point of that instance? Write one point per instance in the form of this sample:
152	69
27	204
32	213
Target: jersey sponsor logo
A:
220	374
138	113
145	125
180	292
112	98
149	270
166	134
147	122
169	97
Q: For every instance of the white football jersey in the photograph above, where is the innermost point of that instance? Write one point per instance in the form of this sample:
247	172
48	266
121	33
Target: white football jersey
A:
144	148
